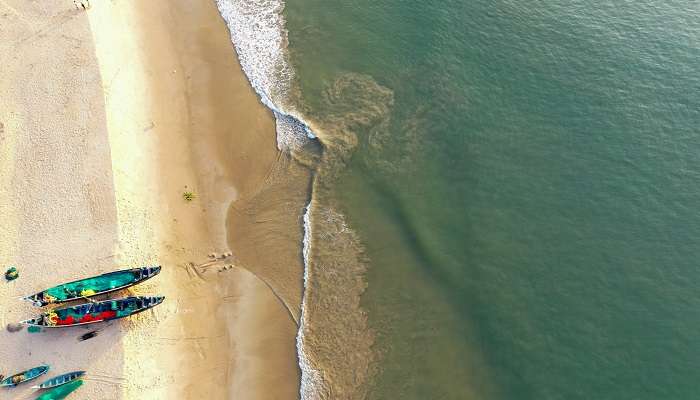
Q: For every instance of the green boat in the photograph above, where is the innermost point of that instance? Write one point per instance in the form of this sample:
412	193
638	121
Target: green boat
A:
24	376
101	284
60	380
90	313
61	392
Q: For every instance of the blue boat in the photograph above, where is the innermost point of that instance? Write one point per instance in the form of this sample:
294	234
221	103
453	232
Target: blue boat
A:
24	376
93	286
60	380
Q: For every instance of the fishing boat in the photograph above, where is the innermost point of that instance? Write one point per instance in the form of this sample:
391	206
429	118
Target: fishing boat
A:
24	376
59	380
96	285
90	313
61	392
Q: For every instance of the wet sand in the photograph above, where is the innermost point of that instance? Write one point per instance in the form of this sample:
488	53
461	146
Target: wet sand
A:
108	117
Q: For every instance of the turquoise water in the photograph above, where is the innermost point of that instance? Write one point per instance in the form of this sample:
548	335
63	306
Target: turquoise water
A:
525	186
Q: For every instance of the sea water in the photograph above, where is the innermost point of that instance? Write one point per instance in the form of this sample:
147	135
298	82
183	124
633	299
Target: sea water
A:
506	201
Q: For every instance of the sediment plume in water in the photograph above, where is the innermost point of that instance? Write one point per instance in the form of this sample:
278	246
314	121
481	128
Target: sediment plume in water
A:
335	338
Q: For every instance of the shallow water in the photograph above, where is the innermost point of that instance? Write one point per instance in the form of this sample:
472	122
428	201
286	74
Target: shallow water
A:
523	180
510	187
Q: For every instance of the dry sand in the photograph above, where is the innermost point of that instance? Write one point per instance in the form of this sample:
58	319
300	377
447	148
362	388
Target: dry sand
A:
107	117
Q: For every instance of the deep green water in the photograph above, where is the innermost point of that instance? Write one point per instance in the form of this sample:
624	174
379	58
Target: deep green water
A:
530	202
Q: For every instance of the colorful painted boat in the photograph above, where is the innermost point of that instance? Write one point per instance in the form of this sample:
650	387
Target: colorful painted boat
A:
61	392
90	313
60	380
24	376
96	285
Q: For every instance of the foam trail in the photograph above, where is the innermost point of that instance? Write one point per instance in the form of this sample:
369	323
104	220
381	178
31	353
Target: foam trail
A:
258	34
311	380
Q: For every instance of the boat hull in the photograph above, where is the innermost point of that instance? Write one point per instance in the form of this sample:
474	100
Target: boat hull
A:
93	286
90	313
24	376
60	380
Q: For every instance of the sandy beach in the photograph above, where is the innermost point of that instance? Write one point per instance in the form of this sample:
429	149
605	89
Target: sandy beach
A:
107	116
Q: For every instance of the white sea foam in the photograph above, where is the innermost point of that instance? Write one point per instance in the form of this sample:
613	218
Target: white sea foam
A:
311	379
258	33
260	38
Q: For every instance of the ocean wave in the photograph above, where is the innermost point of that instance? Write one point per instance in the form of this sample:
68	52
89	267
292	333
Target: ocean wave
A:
258	34
311	379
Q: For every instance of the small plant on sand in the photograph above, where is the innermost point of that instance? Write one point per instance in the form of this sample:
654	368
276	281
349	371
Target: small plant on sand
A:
188	196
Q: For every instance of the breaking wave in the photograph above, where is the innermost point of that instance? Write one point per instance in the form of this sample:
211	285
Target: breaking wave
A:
311	380
258	34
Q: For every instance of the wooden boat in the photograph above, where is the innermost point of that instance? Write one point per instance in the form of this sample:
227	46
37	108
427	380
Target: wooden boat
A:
60	380
96	285
90	313
24	376
61	392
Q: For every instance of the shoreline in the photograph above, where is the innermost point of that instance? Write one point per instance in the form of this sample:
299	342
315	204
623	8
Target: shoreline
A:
334	341
175	114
